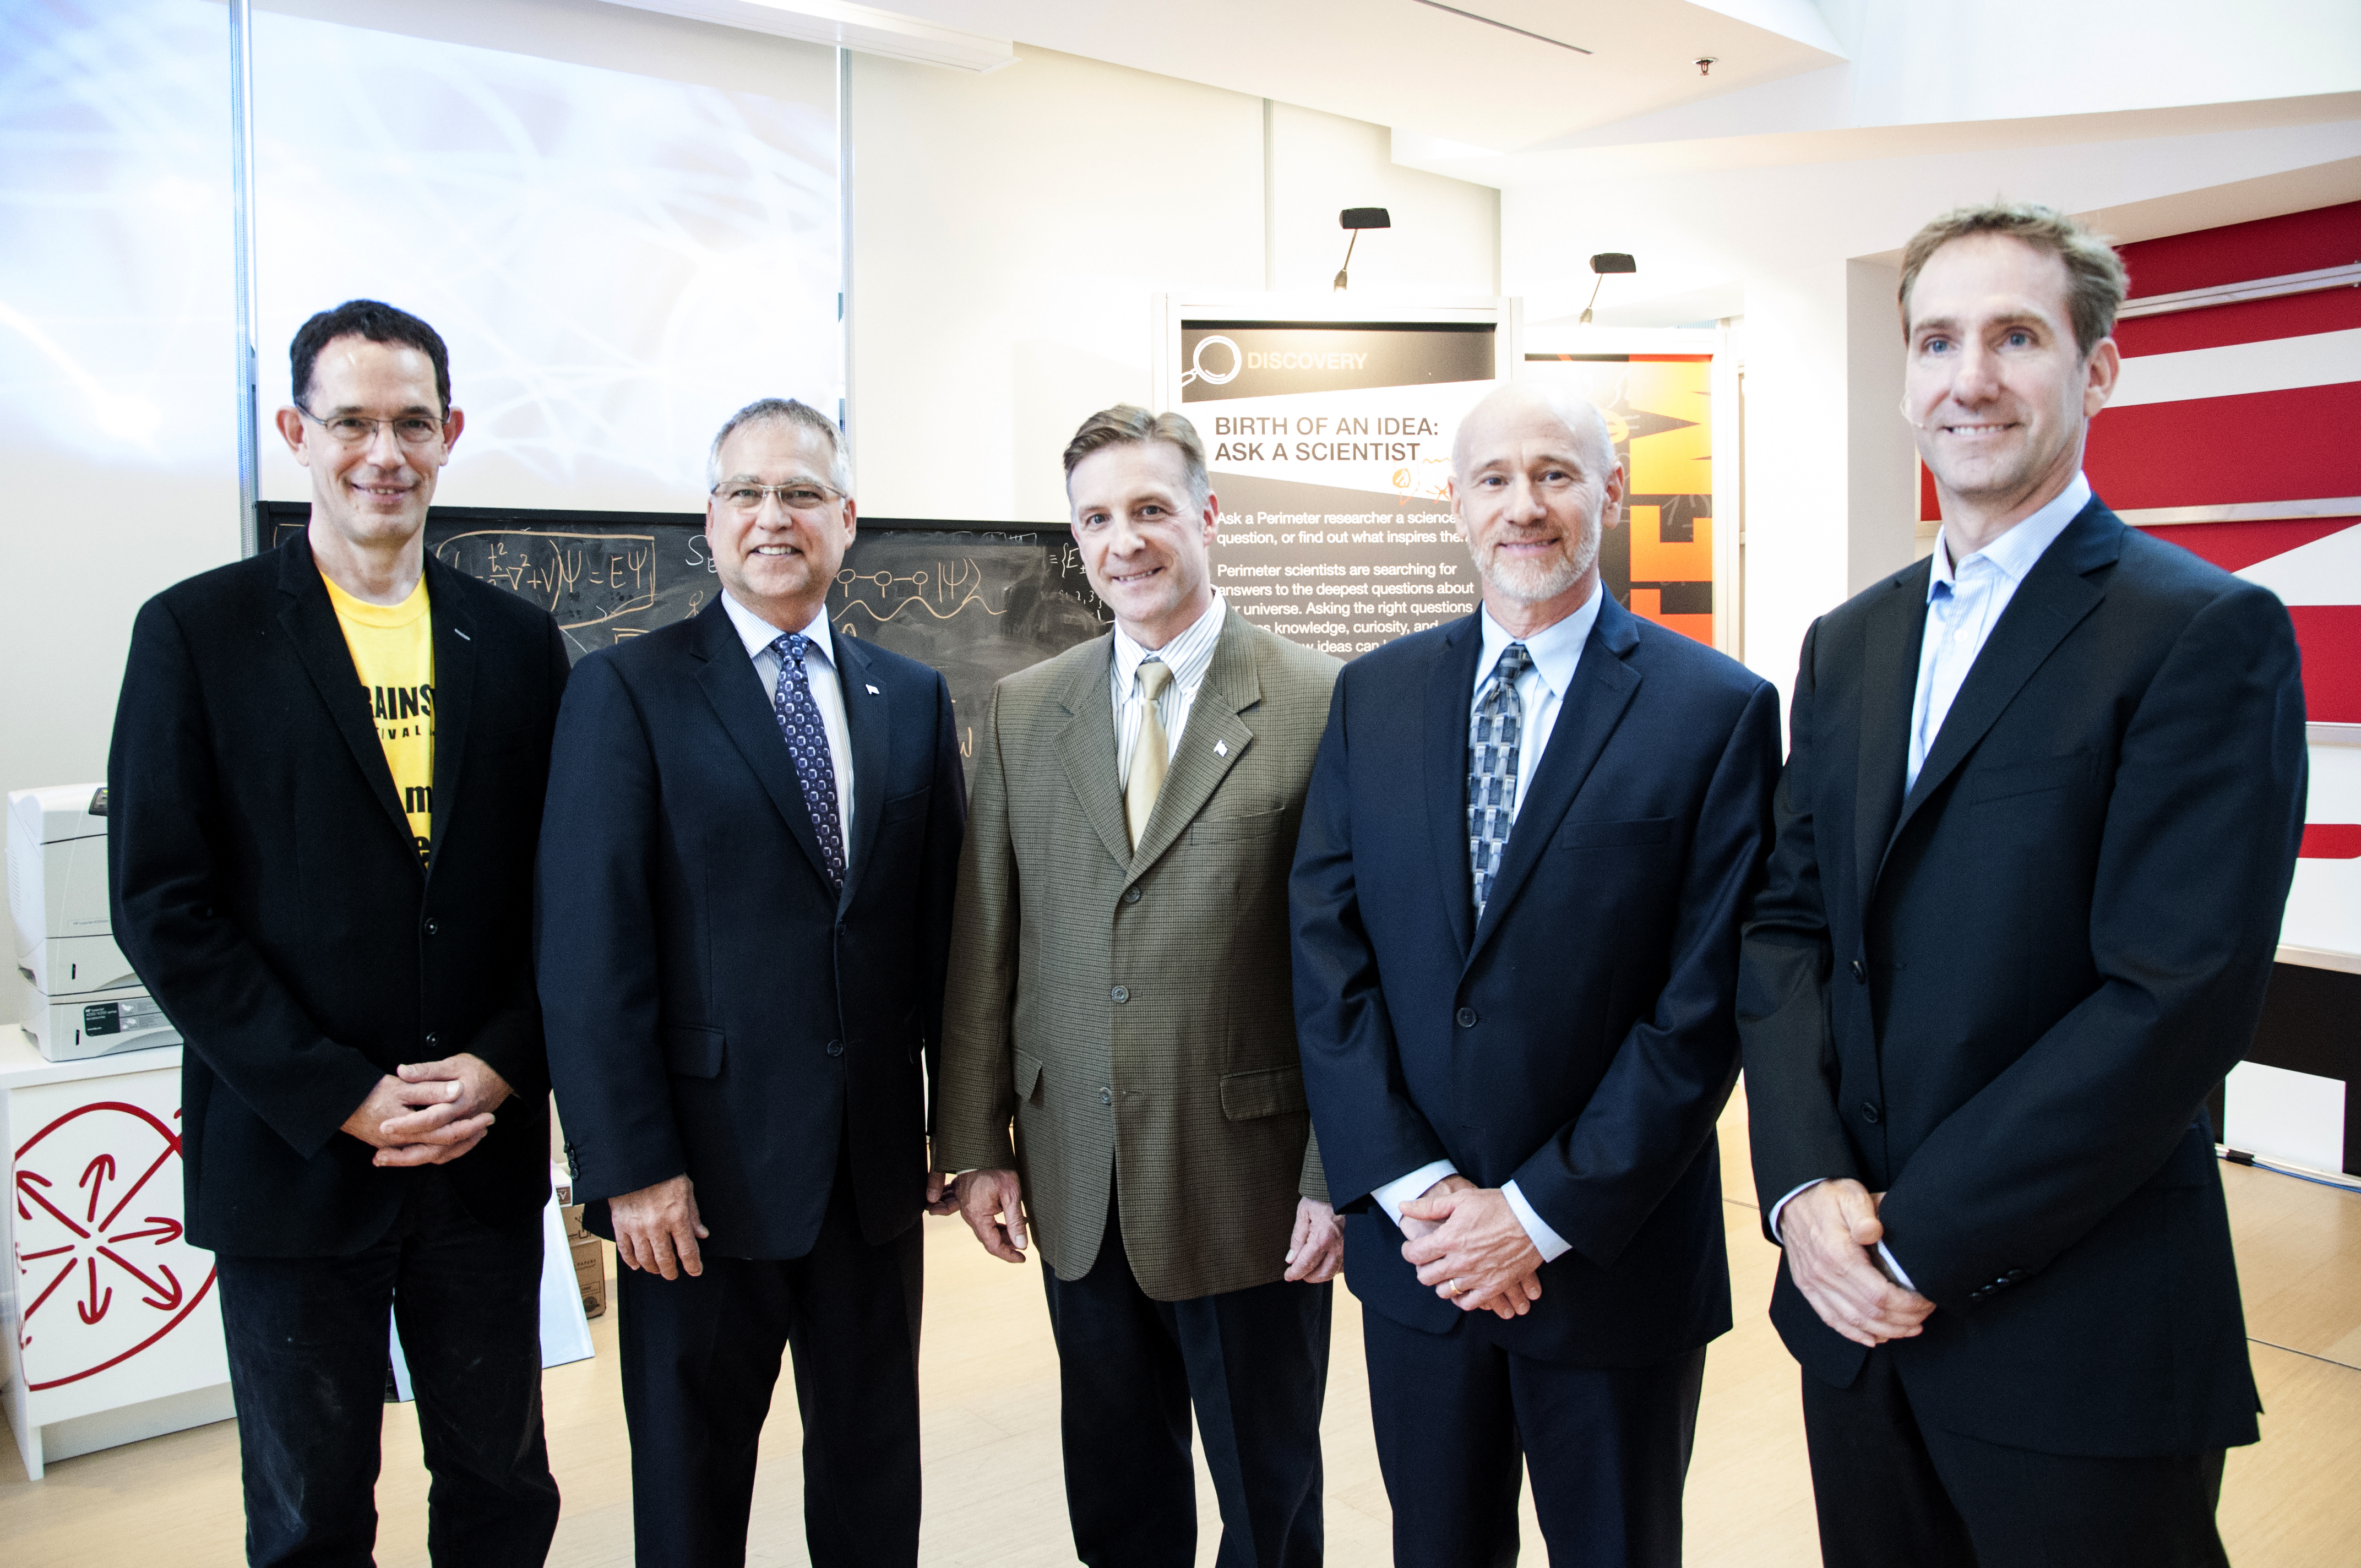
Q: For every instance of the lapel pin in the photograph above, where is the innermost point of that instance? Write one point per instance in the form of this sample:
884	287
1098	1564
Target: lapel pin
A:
1221	747
873	690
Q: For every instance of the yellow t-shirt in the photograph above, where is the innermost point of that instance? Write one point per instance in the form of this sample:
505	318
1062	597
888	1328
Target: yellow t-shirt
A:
393	649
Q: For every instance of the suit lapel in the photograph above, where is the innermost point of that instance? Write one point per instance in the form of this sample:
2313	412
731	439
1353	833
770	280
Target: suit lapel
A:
454	693
1086	748
731	684
1603	685
310	620
2055	597
1890	687
868	717
1449	696
1212	741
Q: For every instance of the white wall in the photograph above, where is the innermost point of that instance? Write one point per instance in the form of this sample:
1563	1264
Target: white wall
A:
1010	230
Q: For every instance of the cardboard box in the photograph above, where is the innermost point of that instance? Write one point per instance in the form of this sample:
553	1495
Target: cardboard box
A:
572	1215
591	1272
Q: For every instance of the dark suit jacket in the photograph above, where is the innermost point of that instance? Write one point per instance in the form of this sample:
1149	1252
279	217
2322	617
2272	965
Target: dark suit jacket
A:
1580	1040
267	886
2004	999
715	1008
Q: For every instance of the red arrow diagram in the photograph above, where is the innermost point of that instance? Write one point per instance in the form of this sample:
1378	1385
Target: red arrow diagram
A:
166	1231
90	1311
26	1182
96	1187
170	1290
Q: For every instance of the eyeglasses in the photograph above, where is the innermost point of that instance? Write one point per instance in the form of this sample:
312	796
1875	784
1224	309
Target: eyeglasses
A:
796	495
353	430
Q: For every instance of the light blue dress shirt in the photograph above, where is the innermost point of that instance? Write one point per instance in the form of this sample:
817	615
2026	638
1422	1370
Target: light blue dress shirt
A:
1556	651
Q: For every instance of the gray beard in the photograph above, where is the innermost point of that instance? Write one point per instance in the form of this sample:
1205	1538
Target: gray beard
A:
1535	582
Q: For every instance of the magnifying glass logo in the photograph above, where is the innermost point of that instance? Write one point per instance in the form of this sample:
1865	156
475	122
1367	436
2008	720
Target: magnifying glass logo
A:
1197	371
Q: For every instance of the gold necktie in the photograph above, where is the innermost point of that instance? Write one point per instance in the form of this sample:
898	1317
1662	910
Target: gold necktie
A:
1149	752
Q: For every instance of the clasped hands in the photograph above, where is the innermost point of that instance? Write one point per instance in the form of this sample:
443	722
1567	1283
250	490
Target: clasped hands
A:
1830	1232
1467	1244
993	1204
429	1113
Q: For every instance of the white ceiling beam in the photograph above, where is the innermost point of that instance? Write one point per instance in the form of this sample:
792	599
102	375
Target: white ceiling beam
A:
846	25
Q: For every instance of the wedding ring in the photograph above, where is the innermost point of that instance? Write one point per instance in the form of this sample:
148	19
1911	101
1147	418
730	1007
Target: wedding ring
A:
1457	1289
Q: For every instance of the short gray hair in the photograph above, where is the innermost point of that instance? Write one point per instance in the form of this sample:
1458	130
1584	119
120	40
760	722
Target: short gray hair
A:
785	411
1577	412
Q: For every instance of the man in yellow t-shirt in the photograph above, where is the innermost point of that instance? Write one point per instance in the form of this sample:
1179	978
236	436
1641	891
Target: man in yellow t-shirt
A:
364	1068
393	649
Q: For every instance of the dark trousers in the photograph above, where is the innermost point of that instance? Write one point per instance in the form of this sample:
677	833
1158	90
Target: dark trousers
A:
307	1365
700	1357
1254	1363
1459	1420
1889	1490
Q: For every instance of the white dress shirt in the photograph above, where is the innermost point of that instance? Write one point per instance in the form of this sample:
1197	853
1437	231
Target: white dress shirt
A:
1964	602
827	694
1556	651
1188	655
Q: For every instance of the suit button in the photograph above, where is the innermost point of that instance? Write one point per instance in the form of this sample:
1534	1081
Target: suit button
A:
1869	1113
2014	1275
1121	994
431	928
1465	1017
1106	1096
1131	896
839	927
1860	973
432	1038
836	1047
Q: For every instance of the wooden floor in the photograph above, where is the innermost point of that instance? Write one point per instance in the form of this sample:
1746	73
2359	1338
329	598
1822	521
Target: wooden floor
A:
993	1494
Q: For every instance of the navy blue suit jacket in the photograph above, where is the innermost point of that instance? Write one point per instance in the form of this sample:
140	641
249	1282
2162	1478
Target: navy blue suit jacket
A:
2003	997
713	1006
1581	1039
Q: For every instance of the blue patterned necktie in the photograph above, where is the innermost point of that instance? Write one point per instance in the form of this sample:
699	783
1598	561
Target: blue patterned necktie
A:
1492	744
799	716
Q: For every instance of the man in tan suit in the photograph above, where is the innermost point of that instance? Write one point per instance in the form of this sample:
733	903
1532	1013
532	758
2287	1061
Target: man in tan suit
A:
1119	989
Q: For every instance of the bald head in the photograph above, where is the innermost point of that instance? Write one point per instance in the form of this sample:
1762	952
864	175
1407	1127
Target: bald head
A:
1524	403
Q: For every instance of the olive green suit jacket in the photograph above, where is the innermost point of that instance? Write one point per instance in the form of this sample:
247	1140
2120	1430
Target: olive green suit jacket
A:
1130	1013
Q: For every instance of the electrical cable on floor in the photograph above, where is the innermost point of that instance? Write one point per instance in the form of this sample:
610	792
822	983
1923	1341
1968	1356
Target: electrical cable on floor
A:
2318	1178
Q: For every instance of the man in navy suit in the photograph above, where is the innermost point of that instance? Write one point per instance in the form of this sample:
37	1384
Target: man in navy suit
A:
746	870
2034	842
1530	837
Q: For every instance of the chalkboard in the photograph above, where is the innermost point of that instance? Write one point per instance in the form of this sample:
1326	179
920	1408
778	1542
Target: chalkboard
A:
974	603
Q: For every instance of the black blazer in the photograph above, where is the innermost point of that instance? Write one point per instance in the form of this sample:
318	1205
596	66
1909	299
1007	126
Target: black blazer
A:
1580	1040
2004	1000
268	889
715	1008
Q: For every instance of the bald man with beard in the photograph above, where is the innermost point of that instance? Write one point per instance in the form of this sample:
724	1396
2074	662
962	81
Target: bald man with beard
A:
1528	839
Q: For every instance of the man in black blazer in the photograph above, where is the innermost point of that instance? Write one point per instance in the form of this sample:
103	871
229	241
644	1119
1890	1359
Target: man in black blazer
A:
1528	839
746	873
2035	835
344	947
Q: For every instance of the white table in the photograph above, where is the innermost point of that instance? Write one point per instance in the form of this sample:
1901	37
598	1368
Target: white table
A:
109	1319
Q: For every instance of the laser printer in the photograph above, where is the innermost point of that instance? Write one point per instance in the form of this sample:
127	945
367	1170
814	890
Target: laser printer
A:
86	999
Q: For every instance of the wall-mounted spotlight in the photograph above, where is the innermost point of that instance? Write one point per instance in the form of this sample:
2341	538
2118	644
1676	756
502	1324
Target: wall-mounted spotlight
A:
1356	219
1706	62
1606	261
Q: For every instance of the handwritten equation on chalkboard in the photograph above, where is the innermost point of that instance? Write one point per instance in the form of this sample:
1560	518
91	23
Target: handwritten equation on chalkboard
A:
583	578
974	604
976	607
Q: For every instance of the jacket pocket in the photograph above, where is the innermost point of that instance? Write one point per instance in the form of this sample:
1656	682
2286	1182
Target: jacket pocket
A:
2008	779
1027	1076
1613	835
692	1052
1232	829
903	806
1266	1091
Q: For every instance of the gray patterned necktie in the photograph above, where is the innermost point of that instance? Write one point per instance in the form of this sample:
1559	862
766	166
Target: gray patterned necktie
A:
798	715
1492	746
